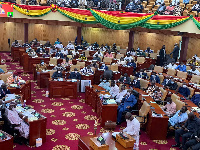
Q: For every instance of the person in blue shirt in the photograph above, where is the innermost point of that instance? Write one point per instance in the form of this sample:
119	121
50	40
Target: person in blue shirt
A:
103	66
166	81
75	74
132	64
186	1
141	74
184	90
154	77
181	67
105	84
1	70
196	99
57	41
127	102
179	117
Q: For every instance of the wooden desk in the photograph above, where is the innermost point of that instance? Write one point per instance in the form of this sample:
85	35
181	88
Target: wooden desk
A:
6	144
15	52
64	88
123	70
97	76
103	111
21	53
0	60
83	142
37	129
43	79
24	90
35	72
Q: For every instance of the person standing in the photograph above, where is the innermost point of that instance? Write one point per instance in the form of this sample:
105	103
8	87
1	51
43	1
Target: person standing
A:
162	54
175	52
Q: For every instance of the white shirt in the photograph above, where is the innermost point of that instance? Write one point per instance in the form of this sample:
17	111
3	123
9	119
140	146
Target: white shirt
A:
120	95
114	90
172	67
59	46
74	52
128	58
70	46
90	48
98	54
194	72
65	52
133	129
121	62
131	53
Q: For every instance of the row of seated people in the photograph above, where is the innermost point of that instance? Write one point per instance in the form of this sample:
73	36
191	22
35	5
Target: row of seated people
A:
127	100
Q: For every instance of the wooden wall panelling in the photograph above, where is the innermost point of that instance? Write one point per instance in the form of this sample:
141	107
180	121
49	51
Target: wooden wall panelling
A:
51	32
193	47
103	36
155	41
12	31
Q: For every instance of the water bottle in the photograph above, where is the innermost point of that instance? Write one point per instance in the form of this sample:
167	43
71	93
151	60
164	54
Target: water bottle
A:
24	103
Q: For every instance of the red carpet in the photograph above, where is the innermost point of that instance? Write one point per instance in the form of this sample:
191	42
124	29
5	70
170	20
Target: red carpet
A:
68	119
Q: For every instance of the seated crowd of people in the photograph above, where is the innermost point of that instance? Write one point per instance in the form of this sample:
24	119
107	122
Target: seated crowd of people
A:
122	89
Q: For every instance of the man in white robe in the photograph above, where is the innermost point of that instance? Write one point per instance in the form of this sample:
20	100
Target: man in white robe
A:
133	128
70	45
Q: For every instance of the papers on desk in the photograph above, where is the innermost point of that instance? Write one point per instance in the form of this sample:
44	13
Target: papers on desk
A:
152	102
51	64
197	109
9	97
111	101
74	80
22	81
145	95
157	115
13	85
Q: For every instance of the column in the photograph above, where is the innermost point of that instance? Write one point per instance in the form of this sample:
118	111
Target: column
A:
79	35
131	40
25	32
184	47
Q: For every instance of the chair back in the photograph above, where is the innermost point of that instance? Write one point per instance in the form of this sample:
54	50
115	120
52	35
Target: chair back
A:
140	60
118	56
114	67
194	79
179	104
175	97
158	69
164	92
4	76
132	77
171	72
81	64
51	72
144	110
4	67
69	56
188	68
43	42
122	51
87	53
191	92
144	84
153	55
161	78
53	61
182	75
107	60
75	66
118	48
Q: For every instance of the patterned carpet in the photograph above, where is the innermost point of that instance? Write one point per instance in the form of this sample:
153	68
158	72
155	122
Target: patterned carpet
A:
68	119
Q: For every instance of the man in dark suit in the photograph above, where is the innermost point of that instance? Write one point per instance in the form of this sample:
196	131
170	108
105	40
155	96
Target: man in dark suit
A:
136	83
40	50
154	77
108	74
132	64
175	52
127	102
141	74
59	54
75	74
125	79
57	74
4	91
162	54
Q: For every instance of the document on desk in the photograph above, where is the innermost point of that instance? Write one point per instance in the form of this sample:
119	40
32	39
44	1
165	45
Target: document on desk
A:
114	134
111	101
157	115
9	97
145	95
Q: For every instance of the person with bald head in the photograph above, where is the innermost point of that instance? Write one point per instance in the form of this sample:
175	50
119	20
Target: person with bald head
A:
190	127
133	128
